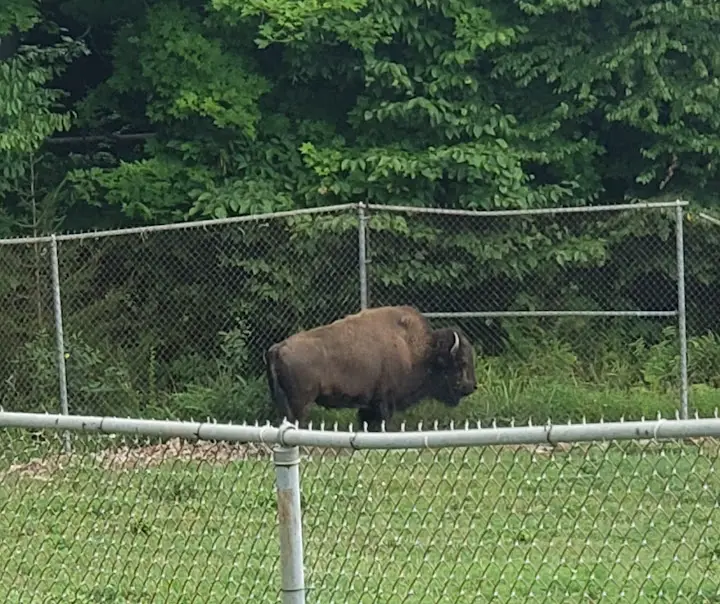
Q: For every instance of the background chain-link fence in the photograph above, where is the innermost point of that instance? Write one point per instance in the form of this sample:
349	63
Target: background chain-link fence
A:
173	321
702	242
124	519
28	363
592	293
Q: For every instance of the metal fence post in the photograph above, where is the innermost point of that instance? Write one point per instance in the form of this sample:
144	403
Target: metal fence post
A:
287	460
59	336
682	317
362	254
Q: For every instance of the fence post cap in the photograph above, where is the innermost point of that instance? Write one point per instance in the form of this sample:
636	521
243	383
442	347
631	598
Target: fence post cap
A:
286	456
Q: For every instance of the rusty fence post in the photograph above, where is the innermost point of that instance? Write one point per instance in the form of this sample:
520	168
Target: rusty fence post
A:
287	472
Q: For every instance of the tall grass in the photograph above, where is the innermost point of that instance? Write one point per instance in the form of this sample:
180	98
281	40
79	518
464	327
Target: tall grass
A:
563	373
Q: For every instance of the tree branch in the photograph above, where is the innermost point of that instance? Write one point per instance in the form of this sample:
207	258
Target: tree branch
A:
98	138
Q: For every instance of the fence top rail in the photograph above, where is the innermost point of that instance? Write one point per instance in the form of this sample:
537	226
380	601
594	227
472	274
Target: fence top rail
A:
177	226
289	435
710	219
479	314
643	205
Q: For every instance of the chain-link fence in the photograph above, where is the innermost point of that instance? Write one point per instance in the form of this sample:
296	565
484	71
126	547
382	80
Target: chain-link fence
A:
572	307
565	513
173	321
702	242
28	362
568	296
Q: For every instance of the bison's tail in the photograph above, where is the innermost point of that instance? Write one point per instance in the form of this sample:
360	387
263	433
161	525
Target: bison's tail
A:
279	398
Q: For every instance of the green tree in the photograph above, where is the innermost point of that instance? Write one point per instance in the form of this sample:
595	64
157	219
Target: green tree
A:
264	105
33	53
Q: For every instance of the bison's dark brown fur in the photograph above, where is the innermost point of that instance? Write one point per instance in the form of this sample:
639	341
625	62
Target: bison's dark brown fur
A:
378	361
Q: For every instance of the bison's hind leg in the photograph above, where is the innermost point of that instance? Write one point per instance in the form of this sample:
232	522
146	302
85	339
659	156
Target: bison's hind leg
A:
295	407
372	417
298	408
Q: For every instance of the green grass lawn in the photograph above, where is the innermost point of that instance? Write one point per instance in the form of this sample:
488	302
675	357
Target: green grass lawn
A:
604	522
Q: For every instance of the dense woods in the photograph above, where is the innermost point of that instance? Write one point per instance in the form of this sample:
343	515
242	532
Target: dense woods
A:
144	113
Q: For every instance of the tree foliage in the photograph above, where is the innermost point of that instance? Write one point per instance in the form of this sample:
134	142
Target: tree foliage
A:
257	106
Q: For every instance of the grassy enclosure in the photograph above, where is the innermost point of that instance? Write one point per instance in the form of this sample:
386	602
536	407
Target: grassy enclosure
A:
197	522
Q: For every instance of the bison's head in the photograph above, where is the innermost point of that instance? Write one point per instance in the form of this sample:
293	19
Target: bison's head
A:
454	360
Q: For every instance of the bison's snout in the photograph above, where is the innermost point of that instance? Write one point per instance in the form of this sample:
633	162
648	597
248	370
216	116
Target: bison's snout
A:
469	389
466	387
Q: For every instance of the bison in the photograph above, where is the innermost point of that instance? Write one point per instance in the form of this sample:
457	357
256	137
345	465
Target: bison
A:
377	361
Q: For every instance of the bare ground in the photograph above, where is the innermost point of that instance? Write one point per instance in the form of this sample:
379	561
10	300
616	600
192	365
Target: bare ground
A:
124	458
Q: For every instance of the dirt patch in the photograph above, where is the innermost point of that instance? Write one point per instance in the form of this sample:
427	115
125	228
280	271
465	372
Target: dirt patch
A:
126	457
140	457
38	469
177	450
133	457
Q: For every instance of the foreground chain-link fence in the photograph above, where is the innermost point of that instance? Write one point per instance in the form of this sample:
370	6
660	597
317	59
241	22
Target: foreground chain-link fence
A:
570	306
146	511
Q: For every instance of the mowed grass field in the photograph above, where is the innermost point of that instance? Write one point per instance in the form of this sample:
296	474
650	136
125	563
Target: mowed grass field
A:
191	523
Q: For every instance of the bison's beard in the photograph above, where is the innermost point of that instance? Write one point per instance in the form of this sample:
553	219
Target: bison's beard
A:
452	399
452	396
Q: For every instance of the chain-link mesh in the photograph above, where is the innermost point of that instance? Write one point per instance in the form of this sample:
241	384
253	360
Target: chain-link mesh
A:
635	522
125	520
176	323
702	285
122	520
593	262
621	260
28	359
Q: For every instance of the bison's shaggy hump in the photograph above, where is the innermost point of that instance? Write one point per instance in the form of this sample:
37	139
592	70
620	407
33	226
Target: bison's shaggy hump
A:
394	323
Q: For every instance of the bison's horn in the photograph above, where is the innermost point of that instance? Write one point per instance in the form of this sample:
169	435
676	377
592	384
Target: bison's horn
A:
456	343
